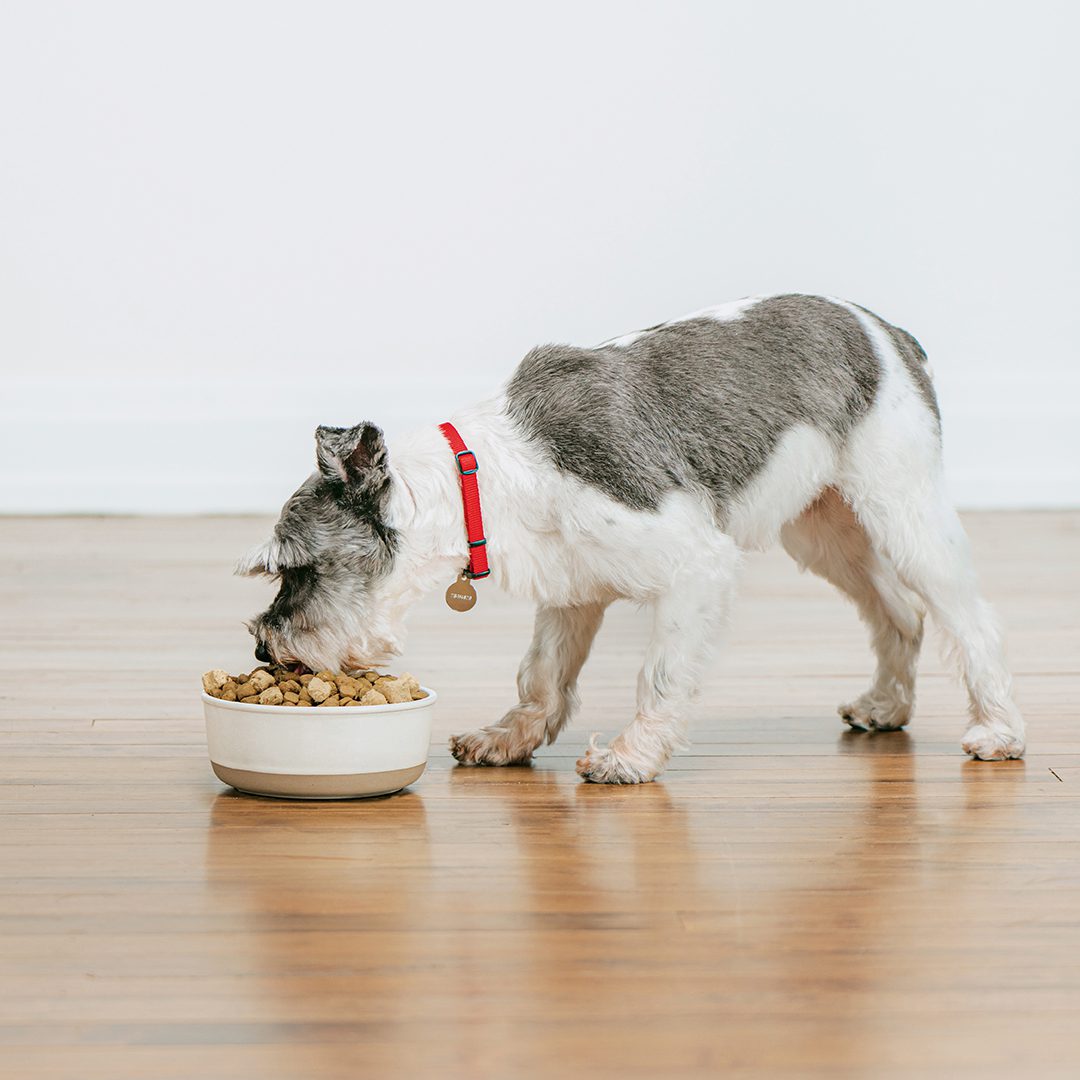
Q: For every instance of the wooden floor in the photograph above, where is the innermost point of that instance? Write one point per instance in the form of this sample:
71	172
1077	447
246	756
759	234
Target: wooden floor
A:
792	899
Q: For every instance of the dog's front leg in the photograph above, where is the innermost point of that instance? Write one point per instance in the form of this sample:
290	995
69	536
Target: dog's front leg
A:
547	685
686	624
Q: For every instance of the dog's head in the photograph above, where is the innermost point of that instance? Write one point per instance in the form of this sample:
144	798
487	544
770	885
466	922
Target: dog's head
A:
333	553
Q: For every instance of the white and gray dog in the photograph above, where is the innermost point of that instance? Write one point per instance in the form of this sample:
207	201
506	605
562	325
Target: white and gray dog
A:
640	469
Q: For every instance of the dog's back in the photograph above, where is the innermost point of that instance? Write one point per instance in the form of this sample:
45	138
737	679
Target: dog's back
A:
704	402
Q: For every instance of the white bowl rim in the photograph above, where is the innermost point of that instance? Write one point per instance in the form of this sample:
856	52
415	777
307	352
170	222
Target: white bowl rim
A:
314	710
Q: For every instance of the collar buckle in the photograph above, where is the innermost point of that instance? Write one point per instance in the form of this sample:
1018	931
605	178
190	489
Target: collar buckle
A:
461	468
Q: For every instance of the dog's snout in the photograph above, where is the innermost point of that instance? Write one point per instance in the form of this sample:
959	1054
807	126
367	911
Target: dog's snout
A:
262	653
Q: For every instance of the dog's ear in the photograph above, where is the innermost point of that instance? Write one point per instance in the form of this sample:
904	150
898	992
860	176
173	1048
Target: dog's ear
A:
255	562
356	456
272	557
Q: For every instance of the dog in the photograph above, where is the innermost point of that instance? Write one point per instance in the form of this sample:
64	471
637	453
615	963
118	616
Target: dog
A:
641	469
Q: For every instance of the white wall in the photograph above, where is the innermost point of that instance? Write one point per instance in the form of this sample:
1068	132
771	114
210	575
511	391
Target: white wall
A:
224	223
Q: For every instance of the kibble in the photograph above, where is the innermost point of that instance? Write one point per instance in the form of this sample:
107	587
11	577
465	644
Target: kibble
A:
214	680
261	680
348	686
326	689
393	690
320	690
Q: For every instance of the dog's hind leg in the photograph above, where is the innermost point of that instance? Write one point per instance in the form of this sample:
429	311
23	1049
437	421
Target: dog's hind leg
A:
547	685
686	622
828	540
923	538
891	474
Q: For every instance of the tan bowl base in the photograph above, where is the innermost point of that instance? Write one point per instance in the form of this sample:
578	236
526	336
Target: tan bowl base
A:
329	786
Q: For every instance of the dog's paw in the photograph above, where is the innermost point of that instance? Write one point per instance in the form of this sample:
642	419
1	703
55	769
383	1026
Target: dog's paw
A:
604	765
871	713
489	746
986	744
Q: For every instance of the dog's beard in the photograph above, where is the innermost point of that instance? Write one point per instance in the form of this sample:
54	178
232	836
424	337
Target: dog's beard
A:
335	643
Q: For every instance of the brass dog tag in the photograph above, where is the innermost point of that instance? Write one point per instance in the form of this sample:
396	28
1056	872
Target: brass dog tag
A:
461	595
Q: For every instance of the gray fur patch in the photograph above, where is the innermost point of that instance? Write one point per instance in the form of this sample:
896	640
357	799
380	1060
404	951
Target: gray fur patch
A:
331	542
331	545
699	404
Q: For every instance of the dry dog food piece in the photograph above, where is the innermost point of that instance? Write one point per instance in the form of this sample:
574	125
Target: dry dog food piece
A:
261	680
327	689
214	680
348	686
394	690
319	689
415	687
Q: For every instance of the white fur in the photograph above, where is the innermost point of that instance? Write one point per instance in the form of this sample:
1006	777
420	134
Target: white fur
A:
871	518
551	538
803	462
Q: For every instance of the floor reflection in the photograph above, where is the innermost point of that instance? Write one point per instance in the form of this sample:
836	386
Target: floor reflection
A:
326	898
505	905
726	894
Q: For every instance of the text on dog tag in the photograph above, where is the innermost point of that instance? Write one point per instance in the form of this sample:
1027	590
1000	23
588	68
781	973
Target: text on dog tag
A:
461	595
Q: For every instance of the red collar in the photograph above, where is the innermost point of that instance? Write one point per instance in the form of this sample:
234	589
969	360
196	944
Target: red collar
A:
470	498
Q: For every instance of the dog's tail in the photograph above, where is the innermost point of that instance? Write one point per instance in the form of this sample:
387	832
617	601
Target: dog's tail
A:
914	348
918	366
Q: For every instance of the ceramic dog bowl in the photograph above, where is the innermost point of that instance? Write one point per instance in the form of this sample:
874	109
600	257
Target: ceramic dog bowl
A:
309	753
